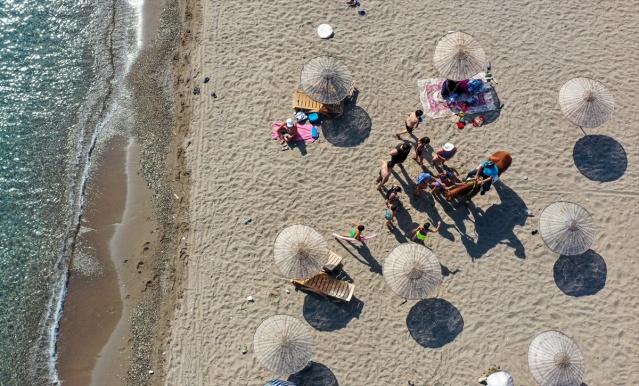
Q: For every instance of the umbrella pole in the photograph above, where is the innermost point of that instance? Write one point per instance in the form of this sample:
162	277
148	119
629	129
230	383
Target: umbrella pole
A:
582	129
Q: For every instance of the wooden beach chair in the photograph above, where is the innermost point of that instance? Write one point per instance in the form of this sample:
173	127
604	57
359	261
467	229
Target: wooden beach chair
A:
301	101
334	260
325	285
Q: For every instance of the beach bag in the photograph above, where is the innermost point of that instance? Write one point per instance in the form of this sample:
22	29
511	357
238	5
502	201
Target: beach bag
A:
314	132
313	117
300	116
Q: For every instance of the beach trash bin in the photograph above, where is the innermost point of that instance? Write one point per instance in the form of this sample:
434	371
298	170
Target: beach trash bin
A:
313	117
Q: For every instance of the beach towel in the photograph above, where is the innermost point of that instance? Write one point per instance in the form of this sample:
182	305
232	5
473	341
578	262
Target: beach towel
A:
304	132
435	106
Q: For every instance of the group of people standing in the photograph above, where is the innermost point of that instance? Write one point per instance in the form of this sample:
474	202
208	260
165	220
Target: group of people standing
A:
447	179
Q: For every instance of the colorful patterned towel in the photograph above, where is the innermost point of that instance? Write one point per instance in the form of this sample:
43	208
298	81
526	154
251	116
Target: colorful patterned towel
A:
437	107
304	132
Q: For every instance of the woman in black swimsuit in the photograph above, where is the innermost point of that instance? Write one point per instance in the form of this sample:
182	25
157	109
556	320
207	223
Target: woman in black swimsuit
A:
400	153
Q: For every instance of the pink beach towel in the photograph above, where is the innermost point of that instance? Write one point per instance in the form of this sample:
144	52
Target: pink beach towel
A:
303	132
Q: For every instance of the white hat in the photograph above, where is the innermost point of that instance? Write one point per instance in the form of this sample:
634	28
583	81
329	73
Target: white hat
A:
289	122
448	147
325	31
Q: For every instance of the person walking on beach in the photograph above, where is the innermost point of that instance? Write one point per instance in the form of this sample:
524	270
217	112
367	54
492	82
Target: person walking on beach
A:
412	121
286	132
391	211
445	153
421	232
400	153
419	150
356	233
384	173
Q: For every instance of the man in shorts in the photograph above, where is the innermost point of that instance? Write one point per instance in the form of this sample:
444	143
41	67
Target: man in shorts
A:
412	121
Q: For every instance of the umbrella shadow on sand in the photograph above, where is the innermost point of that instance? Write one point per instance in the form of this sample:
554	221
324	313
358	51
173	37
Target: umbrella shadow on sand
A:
580	275
327	315
600	158
349	130
315	374
496	225
434	323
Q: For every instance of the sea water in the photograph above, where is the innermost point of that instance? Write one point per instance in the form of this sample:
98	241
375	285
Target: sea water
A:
62	64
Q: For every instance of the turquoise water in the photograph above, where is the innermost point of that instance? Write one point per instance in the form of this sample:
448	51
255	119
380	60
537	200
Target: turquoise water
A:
58	82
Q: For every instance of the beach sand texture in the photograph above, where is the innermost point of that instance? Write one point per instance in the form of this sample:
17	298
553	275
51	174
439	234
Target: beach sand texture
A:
500	276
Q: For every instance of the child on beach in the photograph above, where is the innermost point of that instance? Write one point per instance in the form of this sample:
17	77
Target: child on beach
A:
423	181
421	232
412	121
356	233
390	215
421	145
445	181
391	194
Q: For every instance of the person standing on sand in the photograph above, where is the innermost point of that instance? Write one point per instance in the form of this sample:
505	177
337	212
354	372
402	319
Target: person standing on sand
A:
445	153
384	173
400	153
391	194
421	232
390	215
419	150
412	121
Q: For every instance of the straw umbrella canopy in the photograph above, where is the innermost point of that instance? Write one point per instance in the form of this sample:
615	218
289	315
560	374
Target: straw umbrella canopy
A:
567	228
283	344
459	56
300	252
412	271
326	79
586	102
555	360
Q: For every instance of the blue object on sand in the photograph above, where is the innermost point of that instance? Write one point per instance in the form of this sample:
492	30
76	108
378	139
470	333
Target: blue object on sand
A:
314	132
313	117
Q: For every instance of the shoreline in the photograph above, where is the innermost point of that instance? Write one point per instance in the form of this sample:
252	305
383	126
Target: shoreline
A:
105	351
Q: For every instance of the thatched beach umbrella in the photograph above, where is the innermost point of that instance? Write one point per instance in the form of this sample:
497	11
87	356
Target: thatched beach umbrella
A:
283	344
500	378
555	360
567	228
459	56
326	79
300	252
586	102
412	271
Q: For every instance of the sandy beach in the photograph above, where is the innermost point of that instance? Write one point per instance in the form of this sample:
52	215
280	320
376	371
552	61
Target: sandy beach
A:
501	285
498	277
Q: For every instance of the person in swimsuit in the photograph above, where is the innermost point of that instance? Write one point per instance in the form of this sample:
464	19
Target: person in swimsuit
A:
421	232
445	181
400	153
390	215
423	181
412	121
445	153
356	233
391	194
286	132
384	173
419	150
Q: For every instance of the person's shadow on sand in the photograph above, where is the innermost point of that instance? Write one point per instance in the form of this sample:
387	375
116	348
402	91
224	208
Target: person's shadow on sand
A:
362	249
496	225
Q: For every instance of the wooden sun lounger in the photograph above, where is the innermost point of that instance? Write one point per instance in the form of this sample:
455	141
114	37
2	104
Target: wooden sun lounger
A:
326	285
301	101
334	260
